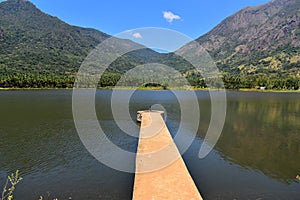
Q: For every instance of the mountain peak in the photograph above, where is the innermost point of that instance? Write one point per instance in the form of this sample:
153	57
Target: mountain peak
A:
20	2
264	38
17	1
35	41
16	5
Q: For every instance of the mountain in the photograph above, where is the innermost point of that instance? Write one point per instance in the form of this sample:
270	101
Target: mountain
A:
39	50
36	48
32	41
263	39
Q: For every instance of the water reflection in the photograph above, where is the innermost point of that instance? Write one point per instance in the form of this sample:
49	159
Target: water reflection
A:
257	155
262	132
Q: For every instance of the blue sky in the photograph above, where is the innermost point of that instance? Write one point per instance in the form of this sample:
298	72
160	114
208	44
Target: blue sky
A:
191	17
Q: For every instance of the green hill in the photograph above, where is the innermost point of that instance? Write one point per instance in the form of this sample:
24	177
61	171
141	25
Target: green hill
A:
34	42
39	50
258	46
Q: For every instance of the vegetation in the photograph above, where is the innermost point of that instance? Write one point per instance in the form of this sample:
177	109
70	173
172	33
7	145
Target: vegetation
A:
10	186
269	83
33	42
261	40
108	80
41	51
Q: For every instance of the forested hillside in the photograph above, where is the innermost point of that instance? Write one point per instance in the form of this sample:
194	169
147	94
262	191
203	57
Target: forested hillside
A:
258	46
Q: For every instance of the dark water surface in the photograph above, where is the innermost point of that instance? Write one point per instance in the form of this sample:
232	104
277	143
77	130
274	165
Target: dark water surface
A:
257	156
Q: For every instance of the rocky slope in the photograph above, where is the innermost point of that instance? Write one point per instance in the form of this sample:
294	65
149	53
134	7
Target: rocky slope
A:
261	39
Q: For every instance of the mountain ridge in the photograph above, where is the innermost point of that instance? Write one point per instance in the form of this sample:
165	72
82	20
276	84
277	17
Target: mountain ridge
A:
264	31
27	31
39	50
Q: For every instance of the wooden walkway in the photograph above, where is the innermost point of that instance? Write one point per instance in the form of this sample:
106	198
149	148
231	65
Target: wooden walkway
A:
156	178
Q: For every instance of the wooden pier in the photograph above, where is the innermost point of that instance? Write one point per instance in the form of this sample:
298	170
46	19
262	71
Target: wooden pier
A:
157	176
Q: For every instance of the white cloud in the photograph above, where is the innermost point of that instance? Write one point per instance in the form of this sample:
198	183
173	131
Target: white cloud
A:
137	35
169	16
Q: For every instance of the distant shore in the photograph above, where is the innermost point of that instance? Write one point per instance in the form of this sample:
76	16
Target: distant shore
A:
159	89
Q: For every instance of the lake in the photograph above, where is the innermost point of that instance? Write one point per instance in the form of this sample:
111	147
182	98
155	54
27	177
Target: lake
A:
257	156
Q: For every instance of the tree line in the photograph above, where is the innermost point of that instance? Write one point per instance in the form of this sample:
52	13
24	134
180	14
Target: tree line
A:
233	82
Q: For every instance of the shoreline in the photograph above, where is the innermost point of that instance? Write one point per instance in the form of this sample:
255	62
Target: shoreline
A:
157	89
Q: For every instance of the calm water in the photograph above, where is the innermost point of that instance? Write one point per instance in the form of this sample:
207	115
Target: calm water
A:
257	156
